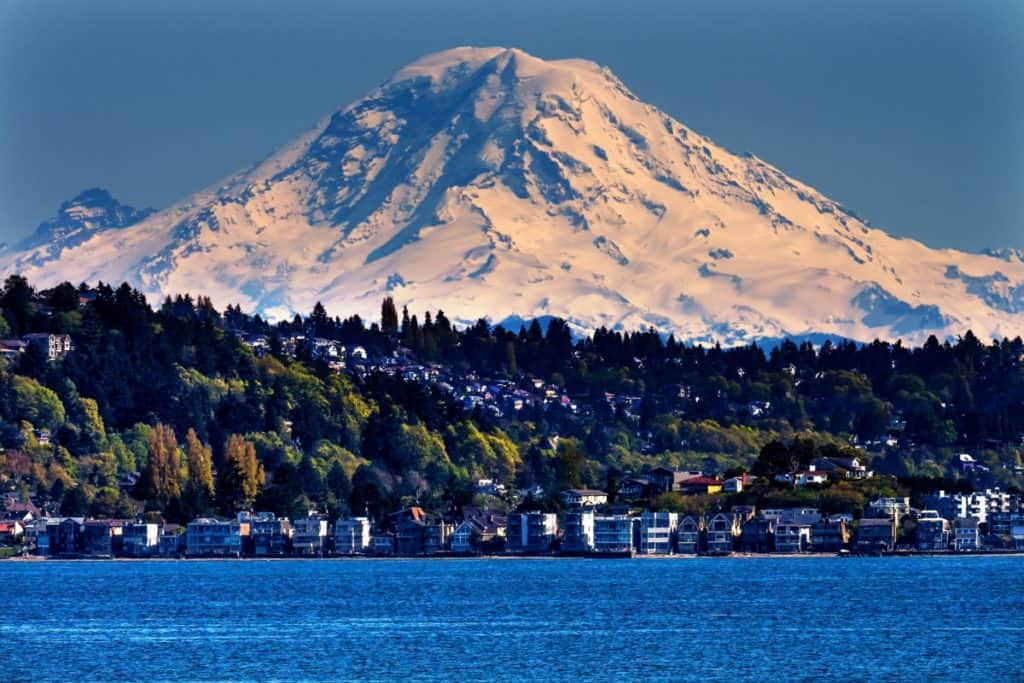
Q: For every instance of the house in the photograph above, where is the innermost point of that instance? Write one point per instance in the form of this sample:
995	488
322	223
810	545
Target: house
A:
578	534
635	488
855	469
792	537
270	536
208	537
383	545
11	531
701	485
890	507
584	497
101	538
657	532
735	484
410	526
1017	534
933	532
66	537
38	533
876	535
664	480
613	534
829	535
172	541
809	477
352	536
54	346
309	536
436	536
531	532
12	348
967	463
140	539
722	530
688	534
481	530
23	512
757	534
965	535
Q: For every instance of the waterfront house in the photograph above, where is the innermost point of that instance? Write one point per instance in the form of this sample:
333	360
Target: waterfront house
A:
383	545
352	536
38	533
965	534
101	537
876	535
172	541
613	534
481	530
269	535
657	532
140	539
66	537
436	536
829	535
757	535
208	537
722	530
792	537
578	534
932	531
688	534
531	532
309	536
584	497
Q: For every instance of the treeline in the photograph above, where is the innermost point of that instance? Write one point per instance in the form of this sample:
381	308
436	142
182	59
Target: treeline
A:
170	392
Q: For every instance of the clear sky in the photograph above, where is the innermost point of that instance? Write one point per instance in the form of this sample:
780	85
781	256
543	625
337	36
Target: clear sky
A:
909	112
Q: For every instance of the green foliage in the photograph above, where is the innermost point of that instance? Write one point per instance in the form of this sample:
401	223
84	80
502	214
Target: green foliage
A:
37	404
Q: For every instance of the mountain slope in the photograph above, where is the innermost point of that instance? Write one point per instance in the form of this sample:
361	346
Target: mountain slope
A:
490	183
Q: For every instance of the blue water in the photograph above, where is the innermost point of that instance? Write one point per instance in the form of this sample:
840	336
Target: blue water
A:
886	619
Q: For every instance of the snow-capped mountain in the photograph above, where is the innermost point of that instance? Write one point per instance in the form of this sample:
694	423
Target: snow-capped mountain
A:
77	220
489	183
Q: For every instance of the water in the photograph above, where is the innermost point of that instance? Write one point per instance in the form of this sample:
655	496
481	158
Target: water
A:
722	619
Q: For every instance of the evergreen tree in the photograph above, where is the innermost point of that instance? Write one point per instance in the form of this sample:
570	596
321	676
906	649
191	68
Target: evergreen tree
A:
388	317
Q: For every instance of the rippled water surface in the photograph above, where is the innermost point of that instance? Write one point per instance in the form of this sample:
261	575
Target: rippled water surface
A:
720	619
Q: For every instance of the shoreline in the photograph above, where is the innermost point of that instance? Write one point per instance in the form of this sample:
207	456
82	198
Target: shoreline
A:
406	558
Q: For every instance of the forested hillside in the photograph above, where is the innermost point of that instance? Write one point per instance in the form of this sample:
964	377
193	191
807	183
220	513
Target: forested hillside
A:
213	425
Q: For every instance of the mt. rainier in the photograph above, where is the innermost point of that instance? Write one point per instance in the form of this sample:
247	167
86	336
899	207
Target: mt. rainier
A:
489	183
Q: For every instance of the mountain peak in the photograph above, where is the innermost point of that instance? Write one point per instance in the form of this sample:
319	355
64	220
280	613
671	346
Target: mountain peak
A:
460	61
494	184
79	218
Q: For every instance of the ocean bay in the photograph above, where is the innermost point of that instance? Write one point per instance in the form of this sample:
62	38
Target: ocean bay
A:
736	619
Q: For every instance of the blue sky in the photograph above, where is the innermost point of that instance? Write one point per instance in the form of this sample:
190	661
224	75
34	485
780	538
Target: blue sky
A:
909	112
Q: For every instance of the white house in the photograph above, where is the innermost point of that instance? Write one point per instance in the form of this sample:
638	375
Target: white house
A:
657	530
351	536
309	535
